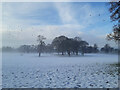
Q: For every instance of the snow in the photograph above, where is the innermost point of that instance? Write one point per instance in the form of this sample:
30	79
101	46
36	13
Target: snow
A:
0	70
55	71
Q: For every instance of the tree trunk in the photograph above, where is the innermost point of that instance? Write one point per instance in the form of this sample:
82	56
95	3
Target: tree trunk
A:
76	52
62	53
69	53
73	52
118	51
39	54
82	53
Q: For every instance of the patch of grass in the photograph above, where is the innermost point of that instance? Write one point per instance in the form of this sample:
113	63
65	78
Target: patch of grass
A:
116	64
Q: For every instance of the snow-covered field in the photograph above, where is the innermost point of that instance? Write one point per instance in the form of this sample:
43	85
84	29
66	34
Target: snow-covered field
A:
53	71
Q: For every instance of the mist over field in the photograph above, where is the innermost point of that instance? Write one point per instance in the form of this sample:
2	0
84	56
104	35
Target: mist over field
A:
52	71
59	45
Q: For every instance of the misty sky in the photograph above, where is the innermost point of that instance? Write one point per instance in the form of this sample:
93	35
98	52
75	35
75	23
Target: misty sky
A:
23	22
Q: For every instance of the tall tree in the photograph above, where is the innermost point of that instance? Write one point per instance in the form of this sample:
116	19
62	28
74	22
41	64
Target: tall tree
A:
76	44
115	16
67	45
41	43
95	48
106	48
83	45
57	43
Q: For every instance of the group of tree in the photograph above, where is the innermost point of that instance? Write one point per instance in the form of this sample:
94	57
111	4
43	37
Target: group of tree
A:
62	45
108	49
27	48
7	49
67	45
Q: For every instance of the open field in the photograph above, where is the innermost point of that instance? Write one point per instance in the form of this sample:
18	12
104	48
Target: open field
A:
53	71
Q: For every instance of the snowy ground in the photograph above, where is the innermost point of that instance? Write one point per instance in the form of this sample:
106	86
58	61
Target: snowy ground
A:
0	70
52	71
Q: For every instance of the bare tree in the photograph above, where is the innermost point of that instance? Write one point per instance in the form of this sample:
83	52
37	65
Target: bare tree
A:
115	16
41	43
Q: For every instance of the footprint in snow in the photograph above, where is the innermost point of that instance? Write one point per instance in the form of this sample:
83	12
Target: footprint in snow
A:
15	76
36	76
78	85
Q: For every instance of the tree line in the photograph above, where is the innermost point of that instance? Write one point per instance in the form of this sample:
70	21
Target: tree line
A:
62	45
